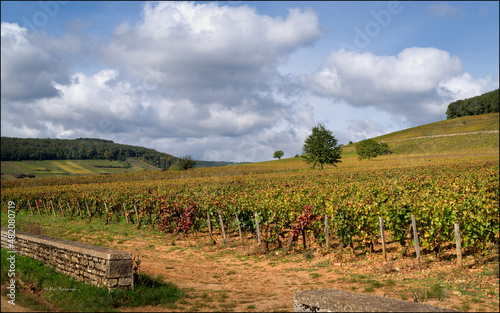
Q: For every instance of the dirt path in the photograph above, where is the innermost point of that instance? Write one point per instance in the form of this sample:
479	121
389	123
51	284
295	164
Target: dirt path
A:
446	135
236	279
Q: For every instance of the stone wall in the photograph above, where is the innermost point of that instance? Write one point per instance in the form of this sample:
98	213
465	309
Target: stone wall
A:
99	266
331	300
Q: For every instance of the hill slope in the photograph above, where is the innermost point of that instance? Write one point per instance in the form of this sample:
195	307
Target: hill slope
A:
464	133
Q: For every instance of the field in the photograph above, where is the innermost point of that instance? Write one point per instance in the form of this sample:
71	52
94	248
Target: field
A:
438	179
59	168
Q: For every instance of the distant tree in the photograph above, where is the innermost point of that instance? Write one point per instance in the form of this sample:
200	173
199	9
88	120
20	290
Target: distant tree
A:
369	148
350	142
184	163
278	154
321	147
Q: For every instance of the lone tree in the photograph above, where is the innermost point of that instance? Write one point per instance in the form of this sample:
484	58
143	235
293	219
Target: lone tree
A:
184	163
278	154
369	148
321	147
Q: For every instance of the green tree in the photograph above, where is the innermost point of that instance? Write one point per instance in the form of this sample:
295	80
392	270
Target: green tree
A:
369	148
321	147
184	163
278	154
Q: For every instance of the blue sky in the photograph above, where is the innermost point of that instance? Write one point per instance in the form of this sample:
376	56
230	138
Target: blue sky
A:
238	80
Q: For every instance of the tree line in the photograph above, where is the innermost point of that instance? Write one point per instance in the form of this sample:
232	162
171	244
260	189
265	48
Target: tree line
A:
19	149
485	103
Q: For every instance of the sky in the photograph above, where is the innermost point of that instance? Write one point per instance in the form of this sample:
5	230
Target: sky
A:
238	80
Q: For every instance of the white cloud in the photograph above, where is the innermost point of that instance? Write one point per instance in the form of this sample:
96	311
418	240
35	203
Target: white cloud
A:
444	9
412	84
189	78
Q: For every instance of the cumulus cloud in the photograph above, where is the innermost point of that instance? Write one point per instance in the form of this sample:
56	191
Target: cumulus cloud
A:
417	84
30	65
188	78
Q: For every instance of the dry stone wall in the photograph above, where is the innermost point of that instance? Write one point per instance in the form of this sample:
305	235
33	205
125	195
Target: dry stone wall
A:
99	266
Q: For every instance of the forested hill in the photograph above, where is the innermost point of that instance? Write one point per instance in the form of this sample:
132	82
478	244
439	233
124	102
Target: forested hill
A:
18	149
485	103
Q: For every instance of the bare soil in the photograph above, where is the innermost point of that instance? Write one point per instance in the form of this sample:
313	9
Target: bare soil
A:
244	278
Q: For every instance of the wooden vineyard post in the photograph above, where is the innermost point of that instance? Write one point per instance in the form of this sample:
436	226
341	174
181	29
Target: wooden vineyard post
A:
125	211
60	208
222	228
381	222
31	210
415	237
257	227
239	227
106	208
458	242
304	238
70	211
79	209
46	210
38	208
137	217
327	235
88	211
53	210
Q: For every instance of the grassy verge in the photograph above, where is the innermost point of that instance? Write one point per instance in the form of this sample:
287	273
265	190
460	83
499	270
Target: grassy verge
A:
69	295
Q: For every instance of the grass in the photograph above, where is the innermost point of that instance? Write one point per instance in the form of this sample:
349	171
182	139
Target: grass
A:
70	295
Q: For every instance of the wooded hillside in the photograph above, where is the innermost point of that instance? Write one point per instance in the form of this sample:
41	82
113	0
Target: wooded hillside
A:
18	149
485	103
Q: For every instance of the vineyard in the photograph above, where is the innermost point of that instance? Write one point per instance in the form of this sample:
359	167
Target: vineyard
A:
279	203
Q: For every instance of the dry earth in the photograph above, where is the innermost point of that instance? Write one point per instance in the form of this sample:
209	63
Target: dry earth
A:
241	278
236	278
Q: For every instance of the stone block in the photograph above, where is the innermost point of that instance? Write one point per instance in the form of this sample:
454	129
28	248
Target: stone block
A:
119	268
125	281
331	300
113	282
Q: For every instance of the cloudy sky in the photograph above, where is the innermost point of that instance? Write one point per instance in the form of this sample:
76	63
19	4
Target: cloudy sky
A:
237	80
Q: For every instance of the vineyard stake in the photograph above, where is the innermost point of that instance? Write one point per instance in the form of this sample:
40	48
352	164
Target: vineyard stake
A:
45	207
137	215
52	205
458	244
60	208
209	227
222	227
106	207
327	235
80	210
381	222
30	206
289	242
70	211
37	207
88	211
415	237
239	227
304	238
257	227
125	210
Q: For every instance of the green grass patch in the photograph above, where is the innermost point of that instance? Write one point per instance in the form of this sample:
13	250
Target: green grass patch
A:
70	295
